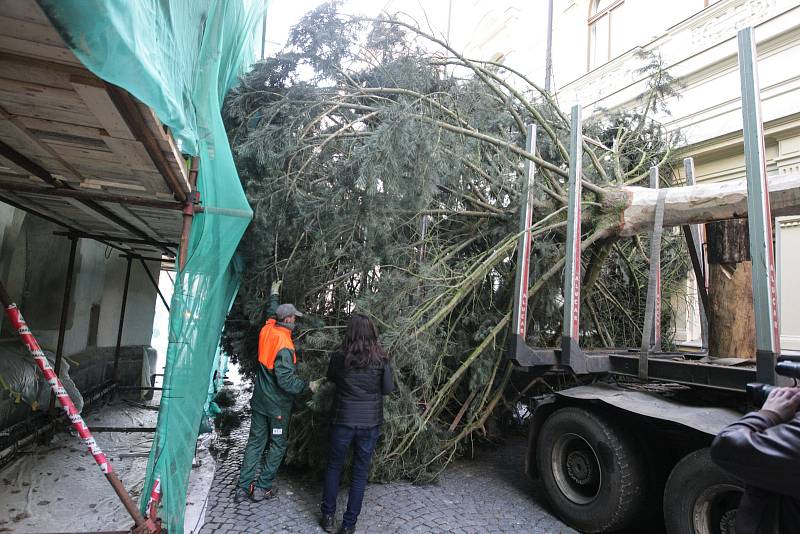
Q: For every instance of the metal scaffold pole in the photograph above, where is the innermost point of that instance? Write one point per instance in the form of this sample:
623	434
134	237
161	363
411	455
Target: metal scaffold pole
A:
115	371
62	325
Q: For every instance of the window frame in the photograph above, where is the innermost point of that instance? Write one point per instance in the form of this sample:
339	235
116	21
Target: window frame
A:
593	18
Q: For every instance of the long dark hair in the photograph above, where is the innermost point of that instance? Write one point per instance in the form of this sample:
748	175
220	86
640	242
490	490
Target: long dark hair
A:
360	345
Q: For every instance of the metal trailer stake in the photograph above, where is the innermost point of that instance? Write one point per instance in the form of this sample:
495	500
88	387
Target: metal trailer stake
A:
759	217
651	333
570	348
524	246
18	322
694	241
655	273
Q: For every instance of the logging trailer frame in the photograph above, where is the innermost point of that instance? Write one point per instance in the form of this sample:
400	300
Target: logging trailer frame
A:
659	409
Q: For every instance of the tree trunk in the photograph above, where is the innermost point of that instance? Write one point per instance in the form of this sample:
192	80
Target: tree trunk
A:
697	203
731	317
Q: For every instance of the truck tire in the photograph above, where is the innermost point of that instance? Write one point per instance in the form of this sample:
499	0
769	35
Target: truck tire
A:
700	498
591	469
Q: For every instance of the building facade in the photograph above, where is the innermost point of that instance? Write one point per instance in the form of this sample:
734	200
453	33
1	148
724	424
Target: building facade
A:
596	46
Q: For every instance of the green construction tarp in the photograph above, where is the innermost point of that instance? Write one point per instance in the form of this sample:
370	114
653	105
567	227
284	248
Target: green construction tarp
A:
180	57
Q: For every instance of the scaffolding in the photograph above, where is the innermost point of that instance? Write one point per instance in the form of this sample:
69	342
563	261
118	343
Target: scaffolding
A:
152	102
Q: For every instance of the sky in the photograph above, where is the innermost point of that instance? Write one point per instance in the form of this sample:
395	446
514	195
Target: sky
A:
481	29
283	14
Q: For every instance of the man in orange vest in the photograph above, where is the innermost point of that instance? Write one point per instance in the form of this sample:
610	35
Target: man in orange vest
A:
275	387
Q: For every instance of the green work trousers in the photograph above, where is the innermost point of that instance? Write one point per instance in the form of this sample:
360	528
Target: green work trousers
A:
266	432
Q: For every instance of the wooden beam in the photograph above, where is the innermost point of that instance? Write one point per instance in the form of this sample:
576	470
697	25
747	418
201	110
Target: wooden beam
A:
70	229
83	205
163	259
25	11
38	50
85	83
31	166
28	209
42	173
29	137
54	212
46	129
98	100
152	232
170	140
90	195
111	216
136	122
78	70
113	239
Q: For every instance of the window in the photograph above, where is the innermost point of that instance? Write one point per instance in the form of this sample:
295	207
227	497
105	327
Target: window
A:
602	46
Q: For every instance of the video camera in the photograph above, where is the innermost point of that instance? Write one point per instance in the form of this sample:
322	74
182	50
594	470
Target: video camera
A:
758	393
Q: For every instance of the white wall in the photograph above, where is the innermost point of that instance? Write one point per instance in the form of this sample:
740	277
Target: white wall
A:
517	30
701	52
99	279
788	260
10	224
87	288
140	309
6	216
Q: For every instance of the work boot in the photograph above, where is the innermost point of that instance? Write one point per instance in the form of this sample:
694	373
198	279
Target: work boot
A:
327	523
346	530
240	495
260	494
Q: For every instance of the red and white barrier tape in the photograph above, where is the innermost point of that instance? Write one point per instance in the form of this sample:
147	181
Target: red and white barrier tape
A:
58	388
155	498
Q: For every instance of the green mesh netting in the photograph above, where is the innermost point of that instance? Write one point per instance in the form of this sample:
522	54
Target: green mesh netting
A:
180	57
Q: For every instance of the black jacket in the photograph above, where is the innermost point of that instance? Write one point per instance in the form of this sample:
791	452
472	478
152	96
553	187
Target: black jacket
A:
765	454
359	392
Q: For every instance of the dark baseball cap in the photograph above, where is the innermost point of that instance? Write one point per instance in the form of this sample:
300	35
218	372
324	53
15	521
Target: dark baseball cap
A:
285	310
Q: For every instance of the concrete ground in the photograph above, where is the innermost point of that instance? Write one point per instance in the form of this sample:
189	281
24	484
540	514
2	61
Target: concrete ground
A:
47	483
490	494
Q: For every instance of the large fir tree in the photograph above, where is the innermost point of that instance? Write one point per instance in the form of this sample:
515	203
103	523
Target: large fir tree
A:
384	172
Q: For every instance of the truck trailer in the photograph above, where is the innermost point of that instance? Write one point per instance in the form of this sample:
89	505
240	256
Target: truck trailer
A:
633	436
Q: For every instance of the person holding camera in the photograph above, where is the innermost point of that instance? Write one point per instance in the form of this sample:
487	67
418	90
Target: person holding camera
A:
763	450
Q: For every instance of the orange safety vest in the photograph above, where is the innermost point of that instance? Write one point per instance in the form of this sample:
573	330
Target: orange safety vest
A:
271	341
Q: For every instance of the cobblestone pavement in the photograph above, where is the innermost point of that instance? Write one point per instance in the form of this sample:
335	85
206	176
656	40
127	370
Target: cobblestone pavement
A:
487	495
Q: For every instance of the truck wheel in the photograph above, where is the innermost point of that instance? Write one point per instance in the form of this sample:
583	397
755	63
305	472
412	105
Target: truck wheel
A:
700	498
591	470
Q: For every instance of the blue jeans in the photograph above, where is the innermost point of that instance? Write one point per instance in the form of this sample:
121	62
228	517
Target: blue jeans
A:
364	440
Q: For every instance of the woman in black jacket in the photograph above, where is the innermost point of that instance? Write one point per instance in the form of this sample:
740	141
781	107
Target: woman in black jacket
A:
362	374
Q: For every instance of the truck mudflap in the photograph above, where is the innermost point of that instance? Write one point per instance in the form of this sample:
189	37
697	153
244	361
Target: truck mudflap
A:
706	419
